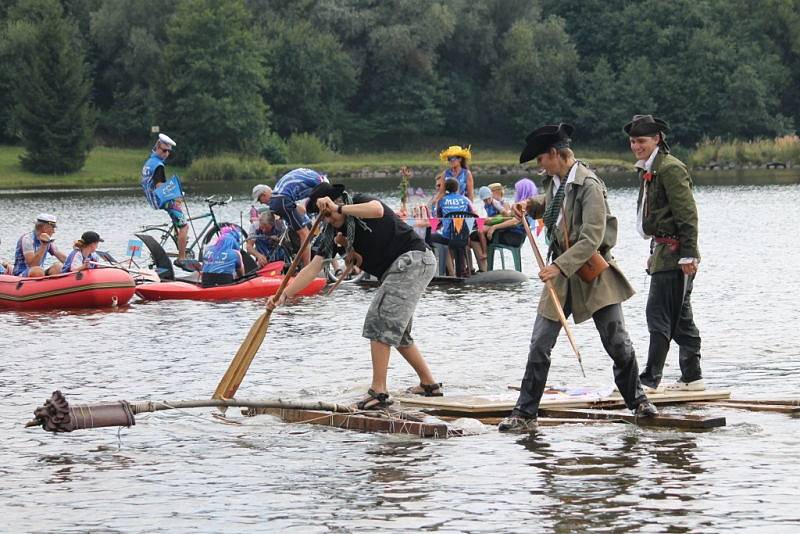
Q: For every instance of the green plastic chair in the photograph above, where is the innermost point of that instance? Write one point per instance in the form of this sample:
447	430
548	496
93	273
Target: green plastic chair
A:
496	245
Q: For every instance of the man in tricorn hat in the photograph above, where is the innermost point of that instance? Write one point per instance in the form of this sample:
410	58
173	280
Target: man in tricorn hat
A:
666	215
578	224
390	250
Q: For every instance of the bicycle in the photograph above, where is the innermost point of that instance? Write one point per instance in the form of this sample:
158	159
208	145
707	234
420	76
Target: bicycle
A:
167	232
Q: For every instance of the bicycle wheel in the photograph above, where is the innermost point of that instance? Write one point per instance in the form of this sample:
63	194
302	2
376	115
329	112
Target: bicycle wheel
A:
213	232
165	238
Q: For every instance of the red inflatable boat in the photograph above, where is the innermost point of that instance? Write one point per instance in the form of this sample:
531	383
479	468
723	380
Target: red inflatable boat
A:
92	288
264	285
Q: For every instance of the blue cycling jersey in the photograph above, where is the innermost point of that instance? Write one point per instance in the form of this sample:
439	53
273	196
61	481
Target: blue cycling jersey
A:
297	184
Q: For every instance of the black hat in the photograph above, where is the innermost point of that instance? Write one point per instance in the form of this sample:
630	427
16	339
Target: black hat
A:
645	125
332	191
91	237
542	139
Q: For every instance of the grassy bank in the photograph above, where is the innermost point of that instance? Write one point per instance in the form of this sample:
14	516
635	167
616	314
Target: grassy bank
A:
121	166
713	153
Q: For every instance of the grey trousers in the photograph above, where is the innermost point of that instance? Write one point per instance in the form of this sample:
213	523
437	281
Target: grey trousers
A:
669	316
611	326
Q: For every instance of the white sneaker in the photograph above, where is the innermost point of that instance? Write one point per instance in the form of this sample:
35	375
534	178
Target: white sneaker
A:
696	385
649	391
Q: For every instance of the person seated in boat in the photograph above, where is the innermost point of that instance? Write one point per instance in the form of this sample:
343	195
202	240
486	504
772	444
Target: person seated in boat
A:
391	252
287	201
222	262
511	232
33	248
83	255
264	239
452	202
458	158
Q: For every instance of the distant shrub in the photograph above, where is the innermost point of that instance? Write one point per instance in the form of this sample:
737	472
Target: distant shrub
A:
273	149
759	151
307	148
228	167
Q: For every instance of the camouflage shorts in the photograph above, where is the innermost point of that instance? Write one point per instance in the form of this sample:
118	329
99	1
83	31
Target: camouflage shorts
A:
390	315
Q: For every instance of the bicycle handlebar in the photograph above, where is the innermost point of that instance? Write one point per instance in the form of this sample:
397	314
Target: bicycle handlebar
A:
211	202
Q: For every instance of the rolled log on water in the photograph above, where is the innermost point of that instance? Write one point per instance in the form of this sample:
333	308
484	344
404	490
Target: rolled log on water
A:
58	416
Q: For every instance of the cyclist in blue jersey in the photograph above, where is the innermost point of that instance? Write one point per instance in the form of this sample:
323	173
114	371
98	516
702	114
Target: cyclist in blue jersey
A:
459	158
34	247
284	200
223	260
153	177
264	238
82	253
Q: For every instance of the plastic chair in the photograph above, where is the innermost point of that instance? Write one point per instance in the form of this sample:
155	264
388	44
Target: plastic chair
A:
496	245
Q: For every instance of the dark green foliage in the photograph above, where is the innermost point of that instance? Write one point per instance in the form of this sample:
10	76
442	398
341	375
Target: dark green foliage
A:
213	80
229	76
50	89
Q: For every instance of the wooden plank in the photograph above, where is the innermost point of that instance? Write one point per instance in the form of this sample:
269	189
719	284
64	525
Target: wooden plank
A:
778	408
542	421
501	405
775	402
673	421
358	422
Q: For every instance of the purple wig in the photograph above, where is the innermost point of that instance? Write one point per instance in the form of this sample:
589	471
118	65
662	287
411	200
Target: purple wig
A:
524	189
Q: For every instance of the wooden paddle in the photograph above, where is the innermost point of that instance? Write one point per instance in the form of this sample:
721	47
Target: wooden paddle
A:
238	367
553	295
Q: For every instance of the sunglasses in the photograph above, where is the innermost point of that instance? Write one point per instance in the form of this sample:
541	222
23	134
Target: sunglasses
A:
167	150
453	158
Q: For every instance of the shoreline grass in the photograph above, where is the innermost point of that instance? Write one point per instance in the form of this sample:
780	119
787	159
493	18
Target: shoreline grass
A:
120	167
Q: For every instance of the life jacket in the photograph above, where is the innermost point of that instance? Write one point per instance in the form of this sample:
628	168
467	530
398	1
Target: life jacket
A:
491	209
451	203
461	178
297	184
71	258
19	257
148	172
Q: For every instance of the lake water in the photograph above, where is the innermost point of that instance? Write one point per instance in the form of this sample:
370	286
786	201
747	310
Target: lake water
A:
186	471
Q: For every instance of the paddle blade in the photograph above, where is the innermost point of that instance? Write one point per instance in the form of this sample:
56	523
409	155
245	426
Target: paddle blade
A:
232	379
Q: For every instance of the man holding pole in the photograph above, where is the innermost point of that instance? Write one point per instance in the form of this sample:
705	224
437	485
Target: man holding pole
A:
390	250
580	228
667	216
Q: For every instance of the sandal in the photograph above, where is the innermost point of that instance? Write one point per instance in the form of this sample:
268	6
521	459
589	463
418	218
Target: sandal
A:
374	401
427	390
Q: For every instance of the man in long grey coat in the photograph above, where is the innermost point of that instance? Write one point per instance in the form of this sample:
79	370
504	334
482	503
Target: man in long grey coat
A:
578	223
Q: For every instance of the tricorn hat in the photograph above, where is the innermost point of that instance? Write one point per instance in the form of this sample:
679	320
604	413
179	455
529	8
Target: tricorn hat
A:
332	191
542	139
645	125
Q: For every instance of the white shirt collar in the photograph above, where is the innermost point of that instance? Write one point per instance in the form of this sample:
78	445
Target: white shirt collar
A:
647	164
570	178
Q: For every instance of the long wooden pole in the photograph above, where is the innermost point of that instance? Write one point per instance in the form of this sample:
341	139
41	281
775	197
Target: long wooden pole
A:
232	379
552	291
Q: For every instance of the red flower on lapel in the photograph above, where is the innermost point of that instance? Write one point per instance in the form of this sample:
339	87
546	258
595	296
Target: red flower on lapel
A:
648	176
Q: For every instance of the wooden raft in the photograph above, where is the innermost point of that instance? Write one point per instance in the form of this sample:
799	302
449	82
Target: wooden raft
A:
501	405
388	422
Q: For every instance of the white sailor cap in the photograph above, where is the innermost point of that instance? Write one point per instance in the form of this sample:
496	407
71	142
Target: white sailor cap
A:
46	218
164	138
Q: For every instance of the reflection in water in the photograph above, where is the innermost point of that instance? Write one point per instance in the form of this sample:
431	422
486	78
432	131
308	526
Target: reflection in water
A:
184	470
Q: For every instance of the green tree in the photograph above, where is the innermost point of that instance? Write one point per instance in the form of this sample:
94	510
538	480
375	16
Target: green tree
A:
127	44
533	80
313	79
50	88
214	78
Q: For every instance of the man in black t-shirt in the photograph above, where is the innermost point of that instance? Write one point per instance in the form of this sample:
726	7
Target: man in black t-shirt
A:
389	250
